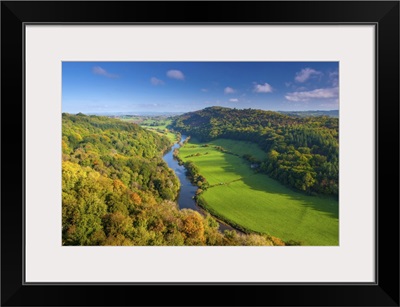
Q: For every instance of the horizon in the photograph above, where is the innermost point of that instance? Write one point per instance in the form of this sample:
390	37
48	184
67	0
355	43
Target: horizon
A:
147	113
181	87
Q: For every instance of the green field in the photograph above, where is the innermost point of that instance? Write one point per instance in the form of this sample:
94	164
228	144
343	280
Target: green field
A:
256	202
158	125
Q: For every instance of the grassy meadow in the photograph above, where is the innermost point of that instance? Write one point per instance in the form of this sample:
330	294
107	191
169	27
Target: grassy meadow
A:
256	202
159	127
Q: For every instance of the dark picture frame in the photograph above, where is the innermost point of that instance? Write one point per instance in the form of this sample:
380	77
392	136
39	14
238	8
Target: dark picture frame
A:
383	14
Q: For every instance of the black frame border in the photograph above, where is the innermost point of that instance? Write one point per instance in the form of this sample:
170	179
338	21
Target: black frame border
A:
383	14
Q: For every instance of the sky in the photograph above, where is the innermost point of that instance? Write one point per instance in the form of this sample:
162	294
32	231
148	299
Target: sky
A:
107	87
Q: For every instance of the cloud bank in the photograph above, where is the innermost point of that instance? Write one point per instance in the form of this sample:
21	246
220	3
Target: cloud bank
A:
321	93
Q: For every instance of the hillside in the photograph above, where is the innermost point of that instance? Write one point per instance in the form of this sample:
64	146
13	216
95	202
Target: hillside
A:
117	190
300	152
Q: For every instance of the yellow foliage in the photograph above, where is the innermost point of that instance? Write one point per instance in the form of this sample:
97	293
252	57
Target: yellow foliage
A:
276	241
193	228
65	148
118	185
136	198
118	240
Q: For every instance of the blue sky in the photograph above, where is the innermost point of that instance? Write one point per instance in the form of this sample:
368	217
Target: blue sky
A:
103	87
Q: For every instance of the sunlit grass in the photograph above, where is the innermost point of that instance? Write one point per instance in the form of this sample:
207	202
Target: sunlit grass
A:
255	201
161	129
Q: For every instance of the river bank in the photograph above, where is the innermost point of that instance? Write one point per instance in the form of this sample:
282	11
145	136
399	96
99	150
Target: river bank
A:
187	192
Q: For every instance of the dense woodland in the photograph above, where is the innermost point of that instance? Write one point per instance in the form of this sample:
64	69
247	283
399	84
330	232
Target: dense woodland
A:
301	152
117	190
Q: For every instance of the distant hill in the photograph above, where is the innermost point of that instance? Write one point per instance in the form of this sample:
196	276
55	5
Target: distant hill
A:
331	113
134	113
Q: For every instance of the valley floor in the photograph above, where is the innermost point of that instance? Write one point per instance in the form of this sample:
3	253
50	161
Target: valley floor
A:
255	202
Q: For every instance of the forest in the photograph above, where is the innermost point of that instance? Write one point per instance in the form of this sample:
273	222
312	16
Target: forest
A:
300	152
117	190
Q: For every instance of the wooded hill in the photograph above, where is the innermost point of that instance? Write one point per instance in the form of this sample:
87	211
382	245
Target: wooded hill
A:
117	190
301	152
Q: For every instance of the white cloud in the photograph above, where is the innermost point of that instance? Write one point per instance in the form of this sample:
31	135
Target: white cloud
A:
204	90
233	100
229	90
97	70
156	81
305	74
321	93
175	74
263	88
333	74
334	78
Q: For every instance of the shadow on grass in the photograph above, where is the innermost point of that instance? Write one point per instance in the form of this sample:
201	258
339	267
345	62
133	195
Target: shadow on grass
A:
265	183
240	169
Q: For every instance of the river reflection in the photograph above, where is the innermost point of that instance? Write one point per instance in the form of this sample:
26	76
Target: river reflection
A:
188	190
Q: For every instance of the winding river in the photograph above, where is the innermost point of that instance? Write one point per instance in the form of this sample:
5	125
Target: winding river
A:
187	190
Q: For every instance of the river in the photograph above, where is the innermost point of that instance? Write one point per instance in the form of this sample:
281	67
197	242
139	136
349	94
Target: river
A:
187	190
